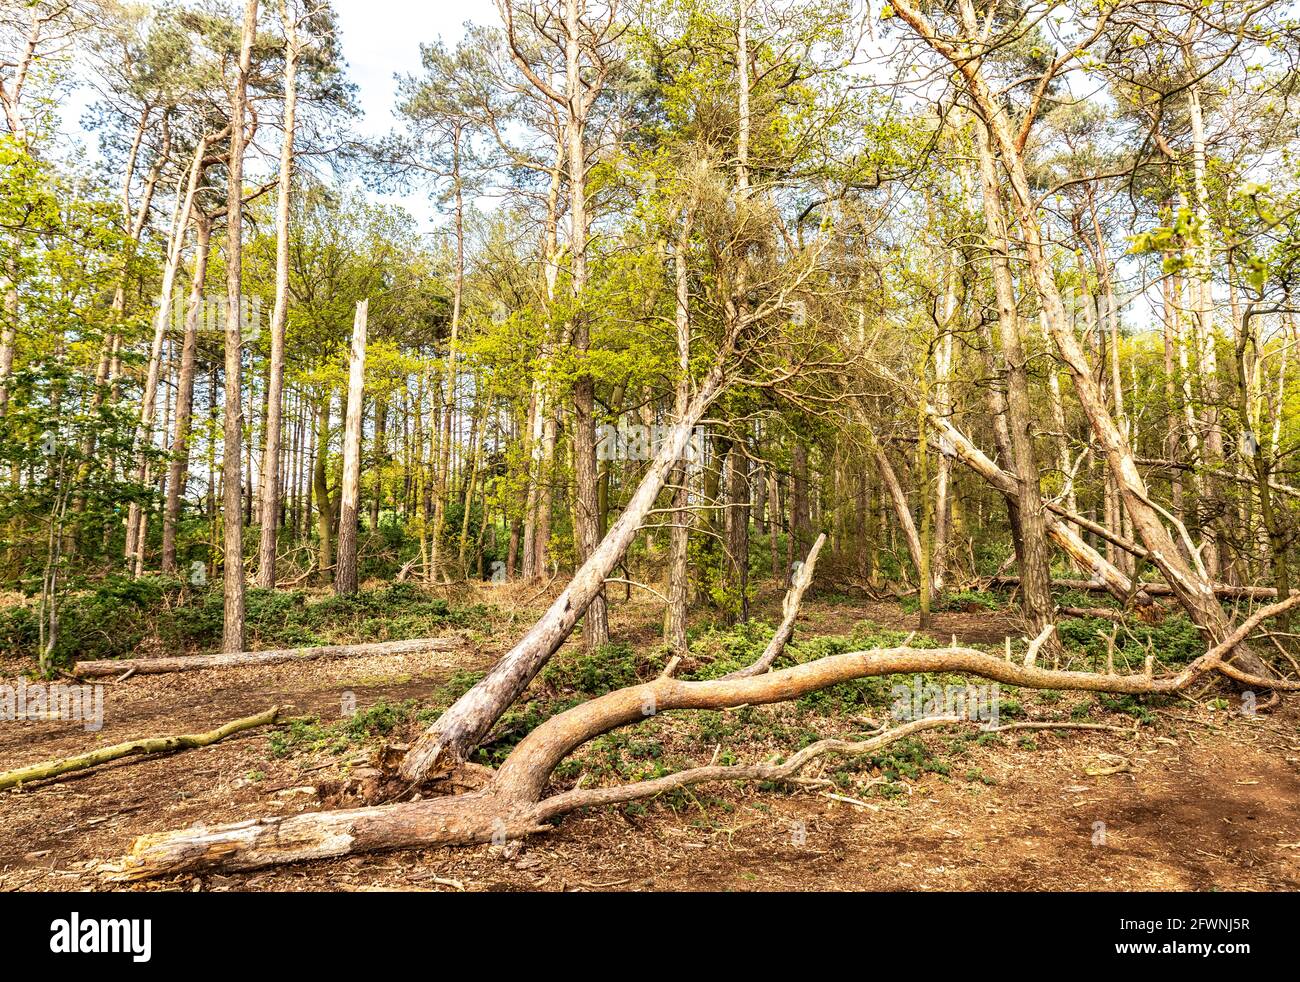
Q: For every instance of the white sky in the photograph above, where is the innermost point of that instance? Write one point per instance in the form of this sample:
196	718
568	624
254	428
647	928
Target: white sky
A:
381	39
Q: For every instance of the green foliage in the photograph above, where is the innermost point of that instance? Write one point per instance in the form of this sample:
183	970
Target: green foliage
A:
310	735
614	666
907	759
1174	641
1128	705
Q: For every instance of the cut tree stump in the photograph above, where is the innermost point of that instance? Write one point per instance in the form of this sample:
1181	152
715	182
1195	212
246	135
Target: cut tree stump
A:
186	663
148	745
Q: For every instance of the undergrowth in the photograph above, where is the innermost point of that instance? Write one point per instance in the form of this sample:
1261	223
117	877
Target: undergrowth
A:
124	614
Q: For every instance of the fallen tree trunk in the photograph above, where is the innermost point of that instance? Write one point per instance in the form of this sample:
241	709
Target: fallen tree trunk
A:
1156	589
455	820
511	805
188	663
148	745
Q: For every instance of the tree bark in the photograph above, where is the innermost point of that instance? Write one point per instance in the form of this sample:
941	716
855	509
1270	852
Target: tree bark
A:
178	466
149	745
679	535
1036	579
511	805
135	537
269	518
320	484
595	628
233	628
902	509
271	656
345	575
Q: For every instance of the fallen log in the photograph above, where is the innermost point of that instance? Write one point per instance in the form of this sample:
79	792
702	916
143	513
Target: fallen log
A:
511	806
189	663
148	745
445	820
1223	590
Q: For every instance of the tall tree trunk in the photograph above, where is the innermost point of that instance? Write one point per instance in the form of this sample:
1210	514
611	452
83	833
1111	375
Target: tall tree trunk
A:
943	402
162	317
679	535
1035	570
442	487
178	466
800	520
320	485
467	495
233	628
736	528
345	573
380	457
271	481
8	331
1204	306
595	628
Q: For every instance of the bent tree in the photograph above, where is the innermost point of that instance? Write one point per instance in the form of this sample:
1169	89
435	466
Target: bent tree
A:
971	37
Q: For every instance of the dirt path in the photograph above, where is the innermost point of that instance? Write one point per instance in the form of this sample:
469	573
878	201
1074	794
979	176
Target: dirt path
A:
1216	810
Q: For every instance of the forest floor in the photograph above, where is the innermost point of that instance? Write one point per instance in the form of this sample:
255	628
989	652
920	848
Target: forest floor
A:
1208	800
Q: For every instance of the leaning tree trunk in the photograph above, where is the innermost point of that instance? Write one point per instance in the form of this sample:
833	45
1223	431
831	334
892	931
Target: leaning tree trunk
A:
458	731
1190	585
1061	526
902	510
